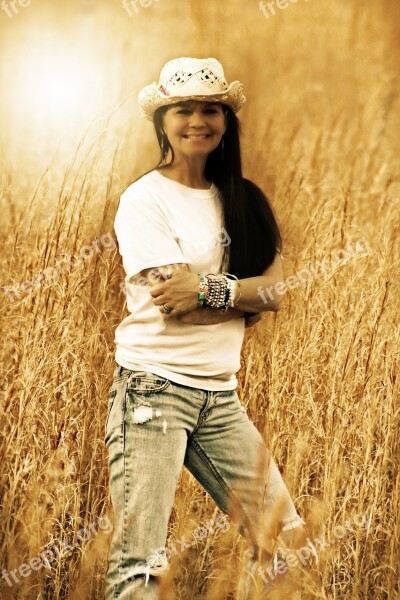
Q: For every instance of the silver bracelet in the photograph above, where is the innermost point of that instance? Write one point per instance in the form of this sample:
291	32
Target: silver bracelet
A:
236	284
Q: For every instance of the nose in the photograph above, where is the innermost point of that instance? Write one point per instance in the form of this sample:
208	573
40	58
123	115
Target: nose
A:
196	119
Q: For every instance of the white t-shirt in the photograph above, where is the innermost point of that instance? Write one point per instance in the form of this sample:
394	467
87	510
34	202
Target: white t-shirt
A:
160	222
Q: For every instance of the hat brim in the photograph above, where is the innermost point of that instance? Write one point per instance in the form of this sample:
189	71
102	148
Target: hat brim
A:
150	98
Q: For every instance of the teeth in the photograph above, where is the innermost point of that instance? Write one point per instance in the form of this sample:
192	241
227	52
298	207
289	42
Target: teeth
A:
196	136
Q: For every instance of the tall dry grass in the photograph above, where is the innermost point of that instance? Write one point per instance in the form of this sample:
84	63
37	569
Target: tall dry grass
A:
319	378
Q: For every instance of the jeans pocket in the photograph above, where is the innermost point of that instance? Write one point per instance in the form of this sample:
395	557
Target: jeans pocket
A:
143	393
144	382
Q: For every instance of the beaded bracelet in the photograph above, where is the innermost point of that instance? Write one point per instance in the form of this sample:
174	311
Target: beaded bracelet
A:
216	291
221	291
202	295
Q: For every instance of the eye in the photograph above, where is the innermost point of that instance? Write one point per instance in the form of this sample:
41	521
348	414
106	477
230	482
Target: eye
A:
183	111
211	111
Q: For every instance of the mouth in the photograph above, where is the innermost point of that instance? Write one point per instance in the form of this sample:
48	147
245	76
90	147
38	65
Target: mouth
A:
197	136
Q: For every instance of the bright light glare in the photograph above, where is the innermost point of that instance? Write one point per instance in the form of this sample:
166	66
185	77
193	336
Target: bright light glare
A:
52	84
55	89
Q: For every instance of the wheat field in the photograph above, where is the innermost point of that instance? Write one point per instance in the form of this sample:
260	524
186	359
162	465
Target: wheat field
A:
320	378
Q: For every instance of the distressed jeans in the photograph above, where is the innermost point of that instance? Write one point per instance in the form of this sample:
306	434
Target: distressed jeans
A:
155	426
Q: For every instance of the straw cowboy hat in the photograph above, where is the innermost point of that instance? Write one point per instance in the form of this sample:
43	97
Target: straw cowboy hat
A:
190	79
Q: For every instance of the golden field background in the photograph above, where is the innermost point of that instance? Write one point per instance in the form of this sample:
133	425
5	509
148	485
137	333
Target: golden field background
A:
319	378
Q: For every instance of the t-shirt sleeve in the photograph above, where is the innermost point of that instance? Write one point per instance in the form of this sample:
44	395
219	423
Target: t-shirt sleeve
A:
145	238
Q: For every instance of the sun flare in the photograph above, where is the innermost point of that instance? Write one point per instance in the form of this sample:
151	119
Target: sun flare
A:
49	87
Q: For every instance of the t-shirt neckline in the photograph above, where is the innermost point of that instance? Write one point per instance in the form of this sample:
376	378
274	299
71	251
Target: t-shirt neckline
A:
194	191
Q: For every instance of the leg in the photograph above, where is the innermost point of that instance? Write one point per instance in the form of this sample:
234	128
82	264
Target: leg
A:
228	456
144	467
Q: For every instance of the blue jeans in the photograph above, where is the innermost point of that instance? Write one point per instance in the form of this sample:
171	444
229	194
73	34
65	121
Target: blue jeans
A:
154	427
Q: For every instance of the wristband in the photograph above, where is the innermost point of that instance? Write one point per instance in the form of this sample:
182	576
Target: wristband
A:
202	295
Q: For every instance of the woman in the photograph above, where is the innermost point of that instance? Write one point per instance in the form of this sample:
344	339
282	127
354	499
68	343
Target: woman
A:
198	242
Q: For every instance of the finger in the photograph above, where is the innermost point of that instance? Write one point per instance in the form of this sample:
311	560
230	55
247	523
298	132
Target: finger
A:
155	292
161	276
154	277
159	300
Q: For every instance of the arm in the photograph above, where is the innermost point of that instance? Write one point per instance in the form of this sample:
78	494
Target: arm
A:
196	315
202	316
175	286
259	294
263	293
179	288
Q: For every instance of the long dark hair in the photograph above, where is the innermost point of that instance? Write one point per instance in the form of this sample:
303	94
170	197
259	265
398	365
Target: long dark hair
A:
248	217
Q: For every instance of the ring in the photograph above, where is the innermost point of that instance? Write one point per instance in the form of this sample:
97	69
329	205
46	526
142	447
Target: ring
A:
166	309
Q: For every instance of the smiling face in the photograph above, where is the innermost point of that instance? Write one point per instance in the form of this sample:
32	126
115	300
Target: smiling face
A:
194	128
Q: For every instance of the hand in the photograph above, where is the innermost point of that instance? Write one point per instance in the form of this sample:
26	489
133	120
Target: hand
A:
252	319
179	292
